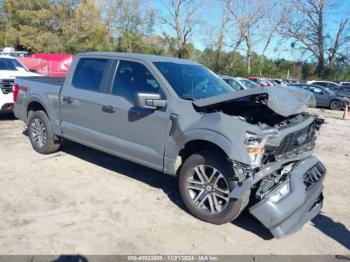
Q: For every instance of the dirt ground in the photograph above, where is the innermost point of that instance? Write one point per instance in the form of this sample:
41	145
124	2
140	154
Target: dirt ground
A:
83	201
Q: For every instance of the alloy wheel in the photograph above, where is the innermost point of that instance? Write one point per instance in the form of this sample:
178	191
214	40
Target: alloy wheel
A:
208	189
38	132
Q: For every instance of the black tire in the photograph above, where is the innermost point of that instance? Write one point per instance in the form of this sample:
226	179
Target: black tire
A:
232	207
336	105
49	143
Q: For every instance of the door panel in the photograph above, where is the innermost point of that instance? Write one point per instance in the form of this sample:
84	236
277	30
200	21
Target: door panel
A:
132	132
80	101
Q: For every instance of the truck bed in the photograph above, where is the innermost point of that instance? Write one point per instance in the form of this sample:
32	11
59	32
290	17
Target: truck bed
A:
45	79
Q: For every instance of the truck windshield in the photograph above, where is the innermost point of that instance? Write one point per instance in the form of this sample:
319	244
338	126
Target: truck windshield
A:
11	64
192	82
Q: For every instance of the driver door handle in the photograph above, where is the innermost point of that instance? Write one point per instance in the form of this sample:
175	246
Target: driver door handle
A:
67	100
108	109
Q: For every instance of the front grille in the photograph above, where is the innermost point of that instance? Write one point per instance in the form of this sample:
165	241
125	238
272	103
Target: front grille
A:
303	138
6	85
314	174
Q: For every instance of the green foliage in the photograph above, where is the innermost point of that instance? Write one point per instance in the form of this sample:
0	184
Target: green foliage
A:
54	26
83	29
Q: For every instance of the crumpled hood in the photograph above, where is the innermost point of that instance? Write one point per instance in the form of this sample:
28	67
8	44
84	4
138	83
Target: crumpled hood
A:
285	101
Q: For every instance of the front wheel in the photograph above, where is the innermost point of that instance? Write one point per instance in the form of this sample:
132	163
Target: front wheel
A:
336	105
205	183
40	133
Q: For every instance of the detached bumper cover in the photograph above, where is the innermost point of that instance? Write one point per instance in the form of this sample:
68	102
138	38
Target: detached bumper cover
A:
302	204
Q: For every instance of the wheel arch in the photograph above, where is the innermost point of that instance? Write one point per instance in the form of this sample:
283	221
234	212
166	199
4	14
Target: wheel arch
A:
35	105
177	149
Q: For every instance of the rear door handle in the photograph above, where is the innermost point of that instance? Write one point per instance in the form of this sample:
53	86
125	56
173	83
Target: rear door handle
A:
67	100
108	109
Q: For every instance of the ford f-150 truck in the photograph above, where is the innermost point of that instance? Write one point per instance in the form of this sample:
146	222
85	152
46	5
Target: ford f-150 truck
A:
230	149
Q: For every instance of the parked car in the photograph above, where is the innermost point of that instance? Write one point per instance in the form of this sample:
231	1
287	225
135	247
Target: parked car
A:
239	83
227	148
9	69
326	84
279	82
248	84
345	83
342	90
324	97
260	81
291	81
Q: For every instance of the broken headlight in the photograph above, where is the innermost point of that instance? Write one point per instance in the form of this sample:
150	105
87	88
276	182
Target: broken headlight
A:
255	146
280	193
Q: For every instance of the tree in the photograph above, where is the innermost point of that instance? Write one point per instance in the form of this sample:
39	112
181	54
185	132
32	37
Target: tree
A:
182	16
306	25
128	21
273	20
28	25
220	41
2	24
81	27
248	15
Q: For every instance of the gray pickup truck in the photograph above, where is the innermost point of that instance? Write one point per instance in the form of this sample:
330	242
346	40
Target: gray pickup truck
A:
228	148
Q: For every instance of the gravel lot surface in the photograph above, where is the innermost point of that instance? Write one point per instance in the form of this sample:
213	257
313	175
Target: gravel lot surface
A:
83	201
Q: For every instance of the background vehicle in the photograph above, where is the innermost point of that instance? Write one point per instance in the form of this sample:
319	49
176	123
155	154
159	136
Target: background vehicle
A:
291	81
55	65
326	84
346	83
174	115
246	83
279	82
339	89
9	69
324	97
239	83
342	90
260	81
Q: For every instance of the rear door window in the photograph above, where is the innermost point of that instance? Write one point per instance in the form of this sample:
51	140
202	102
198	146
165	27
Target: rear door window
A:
88	73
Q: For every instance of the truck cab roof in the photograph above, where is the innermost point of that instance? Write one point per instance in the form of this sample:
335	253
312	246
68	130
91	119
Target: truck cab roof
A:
143	57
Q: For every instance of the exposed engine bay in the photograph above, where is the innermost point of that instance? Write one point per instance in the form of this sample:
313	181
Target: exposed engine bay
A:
253	109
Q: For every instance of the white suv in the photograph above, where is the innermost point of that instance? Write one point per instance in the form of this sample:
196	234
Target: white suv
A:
10	68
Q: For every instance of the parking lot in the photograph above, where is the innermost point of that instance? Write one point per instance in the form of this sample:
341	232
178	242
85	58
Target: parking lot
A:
83	201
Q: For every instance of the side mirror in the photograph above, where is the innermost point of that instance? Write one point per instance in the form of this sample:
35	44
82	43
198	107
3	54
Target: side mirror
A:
149	101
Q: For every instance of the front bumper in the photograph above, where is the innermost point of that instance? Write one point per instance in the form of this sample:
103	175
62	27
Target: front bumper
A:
300	205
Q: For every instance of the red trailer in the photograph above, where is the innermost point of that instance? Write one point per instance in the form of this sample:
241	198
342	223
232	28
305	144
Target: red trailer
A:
55	65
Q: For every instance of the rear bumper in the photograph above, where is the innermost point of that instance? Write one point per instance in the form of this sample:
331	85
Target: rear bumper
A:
300	205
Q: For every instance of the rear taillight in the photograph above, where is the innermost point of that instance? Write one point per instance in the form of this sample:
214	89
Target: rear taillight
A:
15	92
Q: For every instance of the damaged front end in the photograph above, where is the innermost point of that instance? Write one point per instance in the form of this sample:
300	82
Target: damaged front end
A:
287	186
284	177
286	200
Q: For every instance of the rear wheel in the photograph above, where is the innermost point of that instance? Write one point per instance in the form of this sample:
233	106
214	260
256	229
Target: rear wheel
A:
205	183
336	105
40	133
